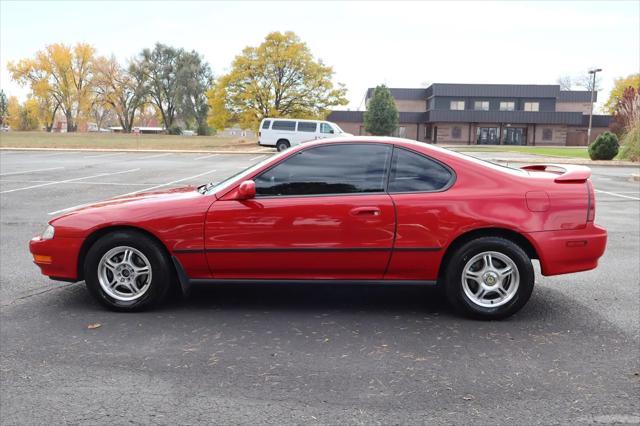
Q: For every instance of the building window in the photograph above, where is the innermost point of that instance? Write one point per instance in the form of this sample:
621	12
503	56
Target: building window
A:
456	105
507	106
427	132
481	105
400	132
547	134
456	133
532	106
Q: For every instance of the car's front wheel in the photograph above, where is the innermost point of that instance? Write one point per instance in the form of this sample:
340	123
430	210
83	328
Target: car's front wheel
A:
489	278
127	271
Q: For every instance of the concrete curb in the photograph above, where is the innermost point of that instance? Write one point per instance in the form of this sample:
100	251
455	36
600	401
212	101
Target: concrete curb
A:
159	151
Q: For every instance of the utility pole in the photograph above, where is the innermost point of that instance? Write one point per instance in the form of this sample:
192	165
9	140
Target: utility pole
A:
593	88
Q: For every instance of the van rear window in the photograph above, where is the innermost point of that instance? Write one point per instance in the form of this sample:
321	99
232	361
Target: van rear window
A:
265	124
284	125
304	126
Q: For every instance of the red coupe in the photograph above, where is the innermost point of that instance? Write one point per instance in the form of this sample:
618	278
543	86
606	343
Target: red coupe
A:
357	209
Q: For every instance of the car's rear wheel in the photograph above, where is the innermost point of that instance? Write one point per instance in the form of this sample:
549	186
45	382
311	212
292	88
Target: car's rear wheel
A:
282	144
489	278
127	271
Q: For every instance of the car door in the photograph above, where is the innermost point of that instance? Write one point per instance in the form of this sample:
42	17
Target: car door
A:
426	214
321	213
326	131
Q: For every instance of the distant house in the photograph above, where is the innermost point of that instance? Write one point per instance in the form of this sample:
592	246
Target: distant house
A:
237	132
142	130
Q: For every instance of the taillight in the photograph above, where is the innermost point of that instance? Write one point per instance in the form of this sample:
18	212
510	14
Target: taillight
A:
591	210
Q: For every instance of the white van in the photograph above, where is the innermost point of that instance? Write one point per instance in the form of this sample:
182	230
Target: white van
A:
284	133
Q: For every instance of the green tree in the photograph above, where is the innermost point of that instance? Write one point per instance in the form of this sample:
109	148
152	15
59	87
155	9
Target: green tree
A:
158	68
195	78
381	117
278	78
4	105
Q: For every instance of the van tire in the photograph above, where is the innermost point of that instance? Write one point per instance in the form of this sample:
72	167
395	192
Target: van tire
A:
282	144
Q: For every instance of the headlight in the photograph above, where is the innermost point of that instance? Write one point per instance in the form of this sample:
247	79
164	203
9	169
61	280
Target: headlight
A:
48	233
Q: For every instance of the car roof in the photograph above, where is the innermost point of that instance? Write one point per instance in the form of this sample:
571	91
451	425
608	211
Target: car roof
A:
295	119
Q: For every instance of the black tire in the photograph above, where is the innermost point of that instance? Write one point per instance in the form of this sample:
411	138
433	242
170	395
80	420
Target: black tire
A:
453	282
162	272
282	144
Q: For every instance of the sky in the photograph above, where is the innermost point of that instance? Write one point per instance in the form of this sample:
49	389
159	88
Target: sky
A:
400	44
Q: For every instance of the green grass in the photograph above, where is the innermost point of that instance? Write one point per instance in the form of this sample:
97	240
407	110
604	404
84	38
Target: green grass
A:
569	152
123	141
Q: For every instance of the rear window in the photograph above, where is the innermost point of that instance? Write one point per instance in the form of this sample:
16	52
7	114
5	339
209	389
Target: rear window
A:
412	172
284	125
265	124
304	126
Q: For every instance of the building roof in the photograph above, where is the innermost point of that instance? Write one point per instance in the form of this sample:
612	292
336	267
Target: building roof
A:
403	94
358	117
490	91
598	120
577	96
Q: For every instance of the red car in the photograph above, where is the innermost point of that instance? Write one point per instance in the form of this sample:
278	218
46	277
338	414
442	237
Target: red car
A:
358	209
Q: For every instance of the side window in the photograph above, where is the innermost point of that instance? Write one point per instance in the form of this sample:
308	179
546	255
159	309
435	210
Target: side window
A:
329	169
284	125
265	124
305	126
412	172
325	128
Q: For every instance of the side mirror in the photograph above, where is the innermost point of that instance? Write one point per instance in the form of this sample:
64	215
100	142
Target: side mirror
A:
246	190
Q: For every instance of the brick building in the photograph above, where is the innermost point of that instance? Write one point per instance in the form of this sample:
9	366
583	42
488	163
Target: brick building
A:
509	114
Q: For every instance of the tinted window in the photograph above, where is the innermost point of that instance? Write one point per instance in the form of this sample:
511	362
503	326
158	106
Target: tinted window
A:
411	172
265	124
304	126
332	169
284	125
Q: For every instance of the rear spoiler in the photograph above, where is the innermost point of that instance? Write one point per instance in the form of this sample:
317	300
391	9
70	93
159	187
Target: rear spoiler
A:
566	173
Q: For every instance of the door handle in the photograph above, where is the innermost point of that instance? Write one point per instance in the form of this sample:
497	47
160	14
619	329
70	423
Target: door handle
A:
366	211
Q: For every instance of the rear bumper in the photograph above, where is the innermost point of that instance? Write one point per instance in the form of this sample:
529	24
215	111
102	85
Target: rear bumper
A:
57	258
564	252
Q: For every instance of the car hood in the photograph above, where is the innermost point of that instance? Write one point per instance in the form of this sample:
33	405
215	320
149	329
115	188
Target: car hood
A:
127	201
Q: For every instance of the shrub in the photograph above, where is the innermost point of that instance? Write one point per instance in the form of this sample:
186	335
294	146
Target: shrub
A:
630	149
605	147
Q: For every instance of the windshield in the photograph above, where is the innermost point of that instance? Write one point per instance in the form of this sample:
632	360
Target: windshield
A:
214	187
337	128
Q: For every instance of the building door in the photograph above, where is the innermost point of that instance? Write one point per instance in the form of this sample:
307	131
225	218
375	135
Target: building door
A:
488	136
515	136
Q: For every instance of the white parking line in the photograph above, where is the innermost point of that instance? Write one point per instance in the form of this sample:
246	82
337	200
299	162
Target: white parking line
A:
205	156
618	195
30	171
151	156
255	158
134	192
105	155
67	180
77	182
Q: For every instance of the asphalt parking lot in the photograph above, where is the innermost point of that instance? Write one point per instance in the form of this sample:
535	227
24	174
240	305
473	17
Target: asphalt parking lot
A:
313	354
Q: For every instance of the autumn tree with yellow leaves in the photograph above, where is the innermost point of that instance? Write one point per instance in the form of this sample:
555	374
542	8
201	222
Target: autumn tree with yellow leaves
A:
279	78
117	89
59	76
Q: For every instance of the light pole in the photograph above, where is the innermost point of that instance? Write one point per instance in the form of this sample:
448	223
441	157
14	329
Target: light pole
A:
593	88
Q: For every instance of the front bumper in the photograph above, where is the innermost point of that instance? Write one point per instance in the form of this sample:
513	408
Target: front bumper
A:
564	252
57	258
